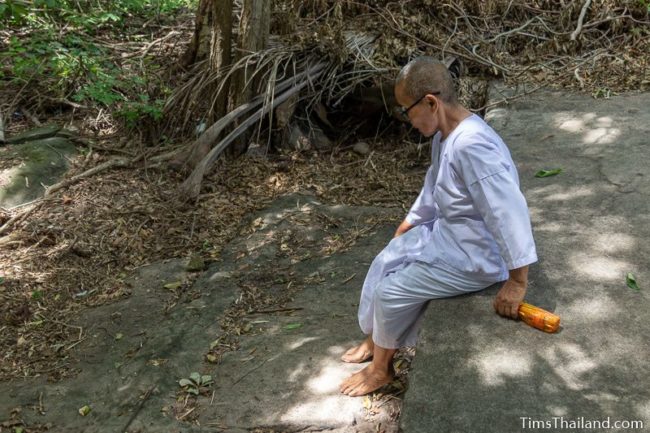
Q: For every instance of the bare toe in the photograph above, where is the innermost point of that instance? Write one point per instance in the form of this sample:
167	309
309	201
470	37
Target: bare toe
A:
355	355
360	353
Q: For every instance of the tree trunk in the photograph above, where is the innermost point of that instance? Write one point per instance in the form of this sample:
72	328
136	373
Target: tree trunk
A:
189	57
220	51
220	55
254	28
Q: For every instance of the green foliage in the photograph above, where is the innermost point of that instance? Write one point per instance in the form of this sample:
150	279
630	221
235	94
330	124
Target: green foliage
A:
645	3
132	111
86	14
62	46
547	173
602	92
630	280
195	383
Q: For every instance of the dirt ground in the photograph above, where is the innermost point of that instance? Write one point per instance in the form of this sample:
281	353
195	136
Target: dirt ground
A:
268	322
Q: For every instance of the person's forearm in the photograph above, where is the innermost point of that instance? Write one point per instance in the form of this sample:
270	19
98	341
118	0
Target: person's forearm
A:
403	228
519	275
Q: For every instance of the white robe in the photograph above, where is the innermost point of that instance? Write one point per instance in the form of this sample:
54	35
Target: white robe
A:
472	226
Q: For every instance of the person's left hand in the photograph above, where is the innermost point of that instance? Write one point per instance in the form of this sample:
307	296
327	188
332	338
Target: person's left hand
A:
509	298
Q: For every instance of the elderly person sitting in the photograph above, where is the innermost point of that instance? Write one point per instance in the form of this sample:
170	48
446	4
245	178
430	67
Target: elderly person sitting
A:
468	229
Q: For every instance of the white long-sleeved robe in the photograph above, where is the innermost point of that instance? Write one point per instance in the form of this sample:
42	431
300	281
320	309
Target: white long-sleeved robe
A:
472	226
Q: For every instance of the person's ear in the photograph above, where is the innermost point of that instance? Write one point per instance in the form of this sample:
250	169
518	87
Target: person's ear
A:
433	103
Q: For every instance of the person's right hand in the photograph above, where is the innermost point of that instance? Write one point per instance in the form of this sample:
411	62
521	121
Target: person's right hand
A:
403	228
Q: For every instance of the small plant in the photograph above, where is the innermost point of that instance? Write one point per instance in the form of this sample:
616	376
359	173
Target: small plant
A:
603	92
195	383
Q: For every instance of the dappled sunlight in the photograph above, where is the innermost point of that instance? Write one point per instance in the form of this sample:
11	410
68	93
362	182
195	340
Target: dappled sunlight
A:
220	276
557	192
570	193
496	365
571	364
320	400
598	307
297	372
326	410
601	135
570	122
643	409
328	379
536	214
571	125
598	267
601	397
13	196
557	410
268	238
594	129
336	350
613	242
300	342
553	227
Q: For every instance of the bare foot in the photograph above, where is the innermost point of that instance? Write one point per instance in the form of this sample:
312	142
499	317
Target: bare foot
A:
367	380
360	353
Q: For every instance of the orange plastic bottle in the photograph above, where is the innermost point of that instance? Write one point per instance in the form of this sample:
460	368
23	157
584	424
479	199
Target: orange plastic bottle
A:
539	318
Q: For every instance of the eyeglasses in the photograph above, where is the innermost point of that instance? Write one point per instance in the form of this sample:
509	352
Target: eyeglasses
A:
404	112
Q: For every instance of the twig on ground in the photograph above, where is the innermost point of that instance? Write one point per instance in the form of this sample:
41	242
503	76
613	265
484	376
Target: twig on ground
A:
113	163
67	325
31	117
137	410
19	217
275	310
250	371
118	162
187	413
579	78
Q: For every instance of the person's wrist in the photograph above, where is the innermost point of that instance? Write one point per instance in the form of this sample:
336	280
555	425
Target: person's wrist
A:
518	282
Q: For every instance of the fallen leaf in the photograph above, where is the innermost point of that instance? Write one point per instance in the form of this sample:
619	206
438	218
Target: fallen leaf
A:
547	173
173	286
367	403
293	326
631	281
84	410
119	336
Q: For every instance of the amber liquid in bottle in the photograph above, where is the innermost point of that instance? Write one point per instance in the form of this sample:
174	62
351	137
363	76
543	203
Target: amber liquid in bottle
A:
539	318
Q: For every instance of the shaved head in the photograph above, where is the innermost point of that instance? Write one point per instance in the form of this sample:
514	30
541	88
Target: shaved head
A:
426	75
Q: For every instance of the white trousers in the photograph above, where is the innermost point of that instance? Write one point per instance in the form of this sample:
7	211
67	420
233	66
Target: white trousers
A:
393	301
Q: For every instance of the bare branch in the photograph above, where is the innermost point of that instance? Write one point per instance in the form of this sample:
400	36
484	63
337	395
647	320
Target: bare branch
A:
581	19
